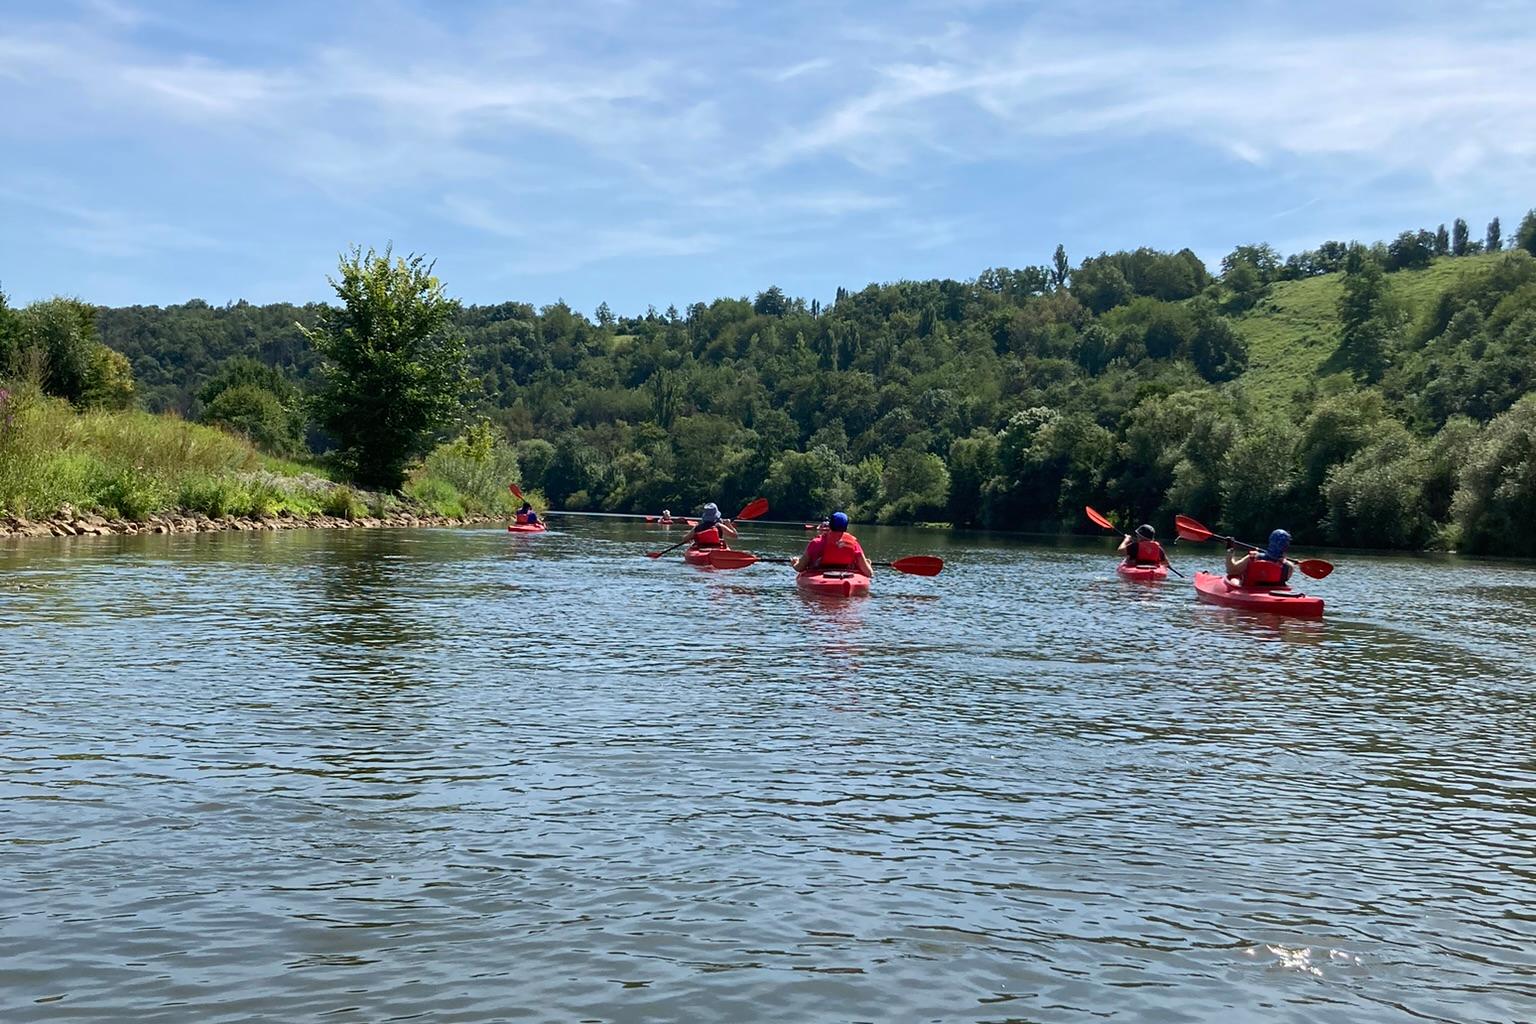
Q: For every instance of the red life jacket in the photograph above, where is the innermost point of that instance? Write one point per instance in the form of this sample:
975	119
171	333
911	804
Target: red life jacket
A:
1145	552
707	538
1260	572
838	551
522	518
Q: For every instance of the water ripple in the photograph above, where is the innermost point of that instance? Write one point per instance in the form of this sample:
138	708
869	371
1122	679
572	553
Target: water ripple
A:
456	776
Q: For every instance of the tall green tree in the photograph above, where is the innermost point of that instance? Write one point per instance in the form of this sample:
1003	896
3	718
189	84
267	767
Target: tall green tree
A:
58	337
8	335
1525	235
1495	240
1060	268
1443	241
394	370
1459	238
1367	318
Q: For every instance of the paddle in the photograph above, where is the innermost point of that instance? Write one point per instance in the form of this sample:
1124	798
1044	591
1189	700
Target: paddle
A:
756	507
1104	522
912	565
1191	529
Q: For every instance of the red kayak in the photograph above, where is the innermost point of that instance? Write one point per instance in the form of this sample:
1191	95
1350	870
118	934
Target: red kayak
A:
834	583
527	528
658	521
699	556
1214	588
1142	573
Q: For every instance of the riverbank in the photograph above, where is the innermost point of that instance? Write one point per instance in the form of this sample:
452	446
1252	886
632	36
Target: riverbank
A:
67	524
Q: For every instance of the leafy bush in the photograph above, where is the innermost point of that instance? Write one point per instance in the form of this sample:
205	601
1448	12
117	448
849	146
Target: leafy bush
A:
1495	503
213	497
478	466
131	493
436	494
343	502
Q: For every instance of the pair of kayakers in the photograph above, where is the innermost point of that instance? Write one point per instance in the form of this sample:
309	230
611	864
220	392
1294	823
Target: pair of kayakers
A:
1267	568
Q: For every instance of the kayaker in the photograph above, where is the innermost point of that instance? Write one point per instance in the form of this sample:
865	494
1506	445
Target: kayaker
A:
835	549
526	516
666	515
1267	568
711	530
1142	548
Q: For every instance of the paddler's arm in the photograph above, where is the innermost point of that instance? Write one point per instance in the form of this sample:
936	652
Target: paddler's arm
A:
1125	545
864	566
729	528
1237	563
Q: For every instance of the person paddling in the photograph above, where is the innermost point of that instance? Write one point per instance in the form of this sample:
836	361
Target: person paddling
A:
711	530
666	515
1261	569
836	549
526	516
1142	548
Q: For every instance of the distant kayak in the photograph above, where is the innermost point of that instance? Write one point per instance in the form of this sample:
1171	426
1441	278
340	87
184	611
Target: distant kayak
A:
658	521
834	583
699	556
1214	588
527	528
1142	573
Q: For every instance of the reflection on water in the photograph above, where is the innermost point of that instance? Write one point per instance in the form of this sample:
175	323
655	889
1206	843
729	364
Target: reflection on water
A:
461	776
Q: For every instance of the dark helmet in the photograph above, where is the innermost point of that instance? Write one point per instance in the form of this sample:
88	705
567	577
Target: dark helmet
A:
1145	532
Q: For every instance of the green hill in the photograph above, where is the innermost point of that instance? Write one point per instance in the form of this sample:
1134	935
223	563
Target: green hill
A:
1293	333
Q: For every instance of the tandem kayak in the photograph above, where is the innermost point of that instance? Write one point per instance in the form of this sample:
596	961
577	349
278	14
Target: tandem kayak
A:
1142	573
834	583
527	528
699	556
1214	588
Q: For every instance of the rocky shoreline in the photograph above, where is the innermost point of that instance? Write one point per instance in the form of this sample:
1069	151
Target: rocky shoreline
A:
77	525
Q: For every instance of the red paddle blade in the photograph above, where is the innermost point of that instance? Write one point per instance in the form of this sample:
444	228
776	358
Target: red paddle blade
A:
1098	519
515	492
755	508
1315	567
722	559
1190	529
919	565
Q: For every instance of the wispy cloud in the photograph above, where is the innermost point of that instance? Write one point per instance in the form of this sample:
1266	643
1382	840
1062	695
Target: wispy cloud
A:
728	134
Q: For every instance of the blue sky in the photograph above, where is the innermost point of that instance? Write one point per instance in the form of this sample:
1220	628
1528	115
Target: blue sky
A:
656	152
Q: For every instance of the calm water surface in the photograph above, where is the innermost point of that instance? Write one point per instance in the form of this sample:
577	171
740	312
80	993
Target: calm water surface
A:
452	775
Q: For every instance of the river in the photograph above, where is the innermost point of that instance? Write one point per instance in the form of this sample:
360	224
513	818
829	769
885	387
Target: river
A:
455	775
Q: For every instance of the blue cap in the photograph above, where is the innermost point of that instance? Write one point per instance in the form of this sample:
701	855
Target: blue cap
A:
838	522
1279	544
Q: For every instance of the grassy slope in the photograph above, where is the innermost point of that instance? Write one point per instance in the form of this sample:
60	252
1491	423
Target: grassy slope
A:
1293	332
133	464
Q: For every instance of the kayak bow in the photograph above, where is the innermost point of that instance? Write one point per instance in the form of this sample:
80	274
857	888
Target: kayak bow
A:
834	583
1142	573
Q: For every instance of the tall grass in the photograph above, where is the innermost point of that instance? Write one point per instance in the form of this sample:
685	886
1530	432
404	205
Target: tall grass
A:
133	464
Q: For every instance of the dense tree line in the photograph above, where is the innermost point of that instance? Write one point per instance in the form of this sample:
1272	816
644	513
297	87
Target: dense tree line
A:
1006	401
